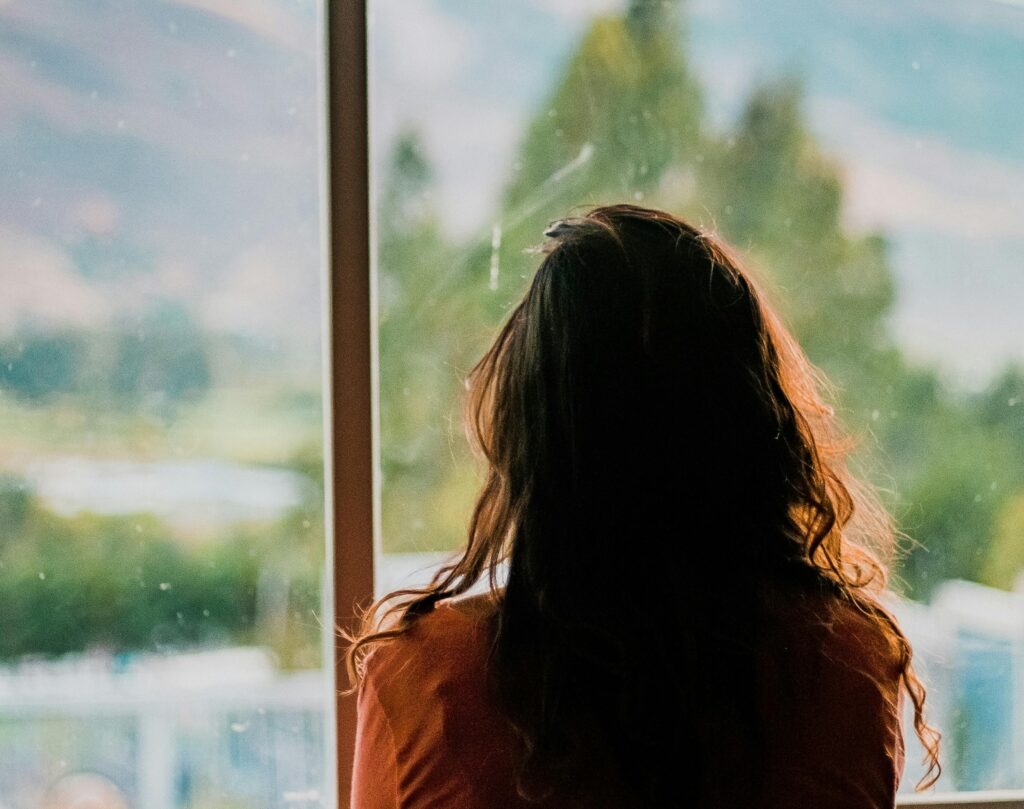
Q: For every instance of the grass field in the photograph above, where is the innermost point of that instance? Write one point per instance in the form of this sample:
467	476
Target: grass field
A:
252	425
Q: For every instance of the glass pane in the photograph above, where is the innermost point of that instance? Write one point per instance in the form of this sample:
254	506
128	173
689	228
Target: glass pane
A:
866	157
161	486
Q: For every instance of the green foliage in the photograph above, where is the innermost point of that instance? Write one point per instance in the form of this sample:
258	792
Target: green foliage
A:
164	356
1006	558
627	109
625	122
126	584
772	192
163	359
36	366
426	487
622	123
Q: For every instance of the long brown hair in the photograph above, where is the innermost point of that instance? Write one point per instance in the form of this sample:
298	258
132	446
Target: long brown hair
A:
658	452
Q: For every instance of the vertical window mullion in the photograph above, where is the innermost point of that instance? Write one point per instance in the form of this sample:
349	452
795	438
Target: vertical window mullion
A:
351	447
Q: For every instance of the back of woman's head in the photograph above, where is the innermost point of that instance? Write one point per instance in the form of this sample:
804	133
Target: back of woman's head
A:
649	422
657	455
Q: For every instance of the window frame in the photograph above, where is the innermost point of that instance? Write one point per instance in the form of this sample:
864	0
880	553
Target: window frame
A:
351	418
986	799
350	356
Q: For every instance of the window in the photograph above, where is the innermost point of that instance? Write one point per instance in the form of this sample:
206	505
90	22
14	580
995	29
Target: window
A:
162	499
866	157
163	584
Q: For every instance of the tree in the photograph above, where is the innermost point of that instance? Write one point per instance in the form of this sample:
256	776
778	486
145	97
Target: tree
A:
163	358
37	366
623	120
772	192
426	490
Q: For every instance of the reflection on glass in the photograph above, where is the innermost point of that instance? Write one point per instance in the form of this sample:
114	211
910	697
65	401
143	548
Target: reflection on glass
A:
867	159
161	492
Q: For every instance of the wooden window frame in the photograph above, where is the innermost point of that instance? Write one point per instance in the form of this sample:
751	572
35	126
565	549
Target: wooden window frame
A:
990	799
351	353
351	423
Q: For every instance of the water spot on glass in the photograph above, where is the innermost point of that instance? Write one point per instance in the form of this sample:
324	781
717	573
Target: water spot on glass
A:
992	486
875	415
232	53
165	586
261	711
728	209
172	27
37	202
495	254
244	157
181	618
638	195
138	528
292	111
788	222
42	575
418	524
240	727
306	523
94	95
120	123
1013	401
918	144
915	65
10	366
206	613
552	113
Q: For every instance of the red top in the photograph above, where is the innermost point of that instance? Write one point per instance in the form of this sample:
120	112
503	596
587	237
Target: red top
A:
428	736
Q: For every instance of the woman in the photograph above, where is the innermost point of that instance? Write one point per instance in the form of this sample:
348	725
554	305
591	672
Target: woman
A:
692	605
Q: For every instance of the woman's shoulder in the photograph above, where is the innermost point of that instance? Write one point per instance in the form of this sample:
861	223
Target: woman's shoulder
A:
445	646
849	637
830	680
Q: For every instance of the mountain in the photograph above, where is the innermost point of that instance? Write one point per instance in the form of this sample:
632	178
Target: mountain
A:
160	150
